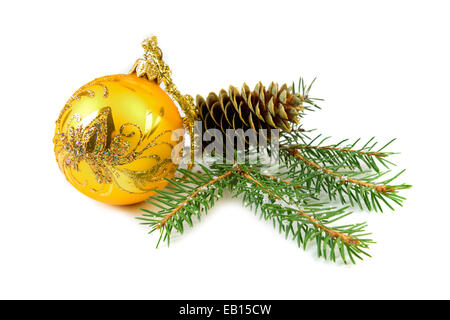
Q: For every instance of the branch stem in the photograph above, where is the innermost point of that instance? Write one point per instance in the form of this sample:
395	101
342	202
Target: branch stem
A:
168	216
249	177
333	233
379	188
371	154
281	180
238	170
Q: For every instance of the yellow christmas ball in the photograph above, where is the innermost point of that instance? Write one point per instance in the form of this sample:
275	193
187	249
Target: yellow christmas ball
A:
113	139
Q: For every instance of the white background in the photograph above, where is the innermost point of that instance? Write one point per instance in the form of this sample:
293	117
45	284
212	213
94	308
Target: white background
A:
382	66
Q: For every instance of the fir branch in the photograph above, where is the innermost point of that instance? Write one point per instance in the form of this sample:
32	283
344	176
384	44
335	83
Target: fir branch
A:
345	154
348	186
276	188
283	211
289	197
280	202
336	149
311	224
191	196
186	197
379	188
276	179
257	183
303	90
332	233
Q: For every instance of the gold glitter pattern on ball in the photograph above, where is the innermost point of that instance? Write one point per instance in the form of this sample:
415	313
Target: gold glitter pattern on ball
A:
131	156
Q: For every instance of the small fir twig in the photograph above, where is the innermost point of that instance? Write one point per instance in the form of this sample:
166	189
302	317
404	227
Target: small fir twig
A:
274	201
168	216
343	172
379	188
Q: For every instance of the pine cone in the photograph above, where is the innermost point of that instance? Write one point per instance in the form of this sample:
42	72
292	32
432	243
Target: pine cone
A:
262	108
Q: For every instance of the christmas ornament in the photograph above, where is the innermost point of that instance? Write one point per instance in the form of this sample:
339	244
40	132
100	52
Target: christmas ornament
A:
113	139
105	147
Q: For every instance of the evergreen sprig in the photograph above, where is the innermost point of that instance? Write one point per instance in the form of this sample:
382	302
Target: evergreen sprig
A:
185	198
304	90
292	208
344	153
353	173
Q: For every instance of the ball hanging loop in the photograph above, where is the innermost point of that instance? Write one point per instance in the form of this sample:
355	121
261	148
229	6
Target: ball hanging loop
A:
153	68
